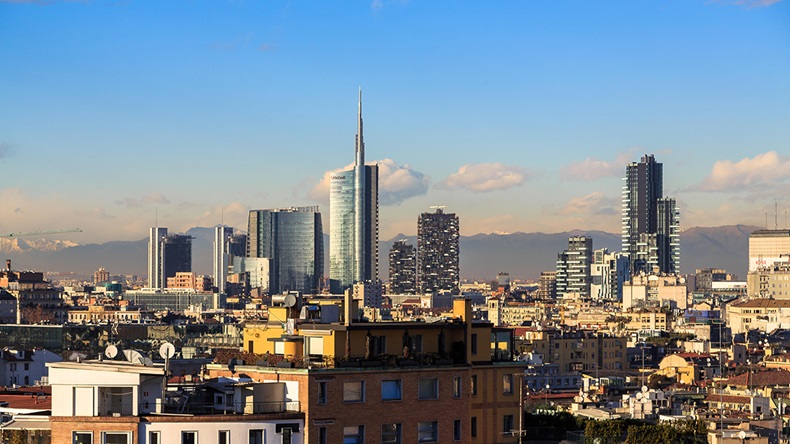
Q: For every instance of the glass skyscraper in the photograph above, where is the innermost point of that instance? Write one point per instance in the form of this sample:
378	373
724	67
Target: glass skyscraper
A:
292	239
354	220
651	223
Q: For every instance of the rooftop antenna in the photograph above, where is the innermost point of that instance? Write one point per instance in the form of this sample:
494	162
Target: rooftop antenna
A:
766	220
776	217
156	216
222	217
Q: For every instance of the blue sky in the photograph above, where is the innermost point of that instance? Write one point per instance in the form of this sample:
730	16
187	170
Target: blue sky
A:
518	116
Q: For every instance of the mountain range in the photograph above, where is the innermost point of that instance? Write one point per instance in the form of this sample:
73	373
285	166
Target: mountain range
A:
523	255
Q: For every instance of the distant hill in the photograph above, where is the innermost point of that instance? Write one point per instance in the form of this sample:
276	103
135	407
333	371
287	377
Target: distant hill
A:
523	255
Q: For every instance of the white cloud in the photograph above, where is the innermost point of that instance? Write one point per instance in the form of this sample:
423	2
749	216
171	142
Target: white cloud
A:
594	203
151	198
750	3
759	173
591	169
485	177
396	183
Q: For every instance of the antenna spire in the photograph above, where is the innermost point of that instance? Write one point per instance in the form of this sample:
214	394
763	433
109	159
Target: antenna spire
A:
360	141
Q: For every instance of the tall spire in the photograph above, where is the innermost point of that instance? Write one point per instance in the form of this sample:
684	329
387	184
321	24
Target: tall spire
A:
360	141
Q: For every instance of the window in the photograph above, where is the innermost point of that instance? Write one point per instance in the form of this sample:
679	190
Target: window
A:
322	436
223	437
116	437
474	384
391	390
474	343
473	427
354	391
427	431
417	342
27	366
315	345
256	436
354	435
457	387
322	393
457	430
428	388
507	423
154	438
82	437
507	384
189	438
390	434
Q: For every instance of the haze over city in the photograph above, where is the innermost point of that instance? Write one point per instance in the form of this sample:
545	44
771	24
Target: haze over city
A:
516	116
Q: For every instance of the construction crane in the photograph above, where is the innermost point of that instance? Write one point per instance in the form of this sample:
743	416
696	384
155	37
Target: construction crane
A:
41	233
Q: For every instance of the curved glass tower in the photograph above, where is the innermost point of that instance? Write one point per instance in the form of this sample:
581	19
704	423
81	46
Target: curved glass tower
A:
354	220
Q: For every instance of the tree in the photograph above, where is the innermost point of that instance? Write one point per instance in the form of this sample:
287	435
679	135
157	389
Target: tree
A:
35	314
608	431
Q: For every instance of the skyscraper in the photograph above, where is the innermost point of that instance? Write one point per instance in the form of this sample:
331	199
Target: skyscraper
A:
354	220
178	255
222	256
292	239
403	268
156	257
650	223
438	252
573	267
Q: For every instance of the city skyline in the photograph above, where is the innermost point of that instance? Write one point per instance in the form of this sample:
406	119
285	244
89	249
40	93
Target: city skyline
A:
121	110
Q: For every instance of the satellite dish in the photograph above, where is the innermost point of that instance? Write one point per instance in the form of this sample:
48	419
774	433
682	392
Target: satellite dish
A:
742	435
167	350
638	395
134	356
76	357
111	351
147	361
644	389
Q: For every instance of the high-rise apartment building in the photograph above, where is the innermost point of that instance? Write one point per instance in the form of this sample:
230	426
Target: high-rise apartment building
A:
403	268
221	256
156	257
292	239
178	255
101	275
650	222
767	247
438	252
573	268
354	220
547	285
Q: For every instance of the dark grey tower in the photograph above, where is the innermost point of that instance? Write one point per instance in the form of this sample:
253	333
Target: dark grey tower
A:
438	252
650	223
403	268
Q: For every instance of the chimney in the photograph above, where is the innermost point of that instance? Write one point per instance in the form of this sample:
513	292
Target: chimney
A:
8	264
348	306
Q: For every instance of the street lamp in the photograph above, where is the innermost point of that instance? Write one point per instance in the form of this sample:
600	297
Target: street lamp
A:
547	395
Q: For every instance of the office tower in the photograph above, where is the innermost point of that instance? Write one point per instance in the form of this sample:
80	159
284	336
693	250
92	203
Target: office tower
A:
156	257
178	255
438	250
607	274
403	268
221	257
237	245
354	220
767	247
650	223
573	268
292	239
